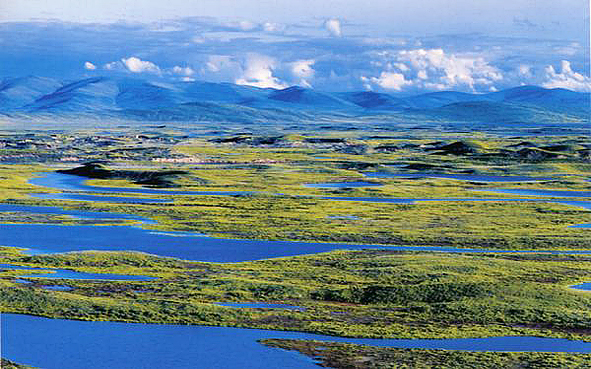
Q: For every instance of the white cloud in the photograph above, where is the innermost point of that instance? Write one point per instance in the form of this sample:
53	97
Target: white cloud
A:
433	69
186	71
136	65
333	26
400	66
89	66
302	71
258	72
273	27
112	66
567	78
390	81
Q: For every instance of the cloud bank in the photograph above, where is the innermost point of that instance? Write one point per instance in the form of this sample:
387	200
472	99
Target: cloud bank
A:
432	69
567	78
258	72
316	54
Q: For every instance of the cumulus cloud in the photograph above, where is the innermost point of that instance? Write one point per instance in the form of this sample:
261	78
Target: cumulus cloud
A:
89	66
183	71
272	27
432	69
136	65
387	80
302	71
258	71
567	78
333	26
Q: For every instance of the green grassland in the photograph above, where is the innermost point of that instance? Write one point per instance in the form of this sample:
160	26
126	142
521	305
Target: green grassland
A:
342	355
347	293
282	208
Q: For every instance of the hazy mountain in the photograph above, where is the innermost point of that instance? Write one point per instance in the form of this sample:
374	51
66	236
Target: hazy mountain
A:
128	98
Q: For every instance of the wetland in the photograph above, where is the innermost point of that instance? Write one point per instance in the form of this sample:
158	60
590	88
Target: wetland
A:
232	235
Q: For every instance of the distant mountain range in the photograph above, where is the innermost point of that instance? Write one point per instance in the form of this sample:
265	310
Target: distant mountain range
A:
135	99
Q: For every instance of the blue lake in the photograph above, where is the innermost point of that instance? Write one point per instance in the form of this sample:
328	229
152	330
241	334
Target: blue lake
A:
70	274
459	177
47	239
44	238
533	192
59	343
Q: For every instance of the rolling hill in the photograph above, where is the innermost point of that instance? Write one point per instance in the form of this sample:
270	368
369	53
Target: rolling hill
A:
136	99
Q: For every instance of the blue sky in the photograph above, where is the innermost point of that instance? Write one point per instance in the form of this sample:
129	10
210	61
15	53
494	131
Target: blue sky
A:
397	46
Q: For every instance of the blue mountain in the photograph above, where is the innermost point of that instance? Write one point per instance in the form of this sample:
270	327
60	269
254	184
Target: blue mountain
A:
137	99
17	92
309	98
372	100
87	95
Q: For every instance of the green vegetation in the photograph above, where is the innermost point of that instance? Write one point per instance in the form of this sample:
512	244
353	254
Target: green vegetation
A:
300	214
354	293
342	355
365	293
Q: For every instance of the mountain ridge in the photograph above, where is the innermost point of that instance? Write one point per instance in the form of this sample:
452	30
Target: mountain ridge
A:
136	98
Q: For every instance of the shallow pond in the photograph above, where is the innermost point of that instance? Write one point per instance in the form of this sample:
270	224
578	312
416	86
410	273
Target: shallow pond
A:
68	182
582	286
96	198
59	343
70	274
57	288
534	192
459	177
